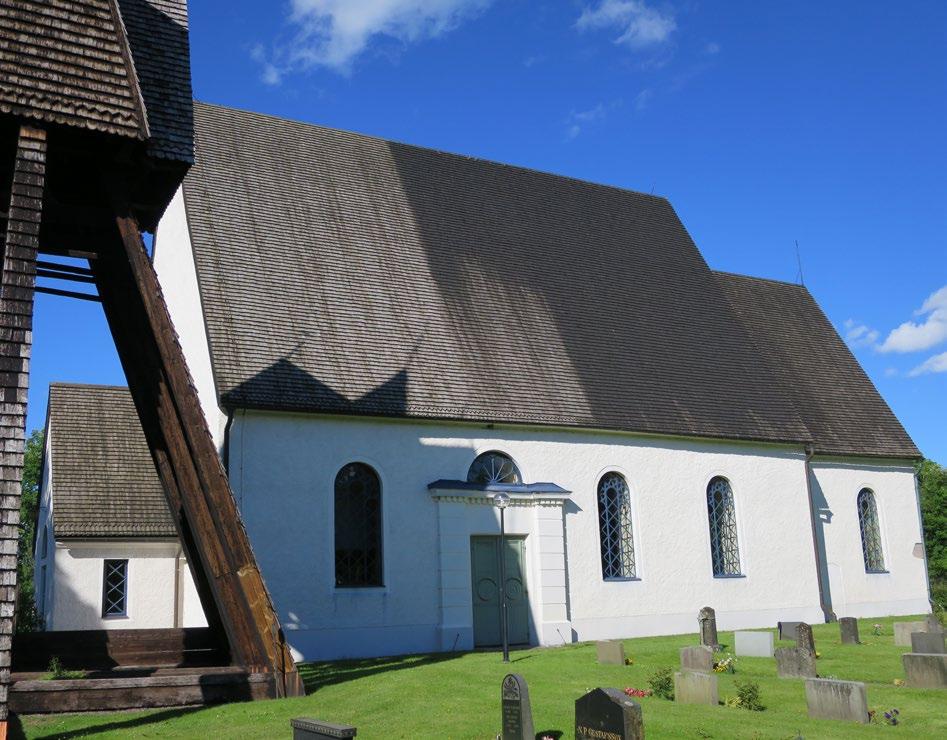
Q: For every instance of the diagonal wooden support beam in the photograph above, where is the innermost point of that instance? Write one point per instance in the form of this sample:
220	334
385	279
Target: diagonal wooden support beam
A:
17	280
212	533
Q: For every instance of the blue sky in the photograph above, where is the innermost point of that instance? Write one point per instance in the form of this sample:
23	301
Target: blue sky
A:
763	123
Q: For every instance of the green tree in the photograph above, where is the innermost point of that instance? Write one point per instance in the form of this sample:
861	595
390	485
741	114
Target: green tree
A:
932	480
27	617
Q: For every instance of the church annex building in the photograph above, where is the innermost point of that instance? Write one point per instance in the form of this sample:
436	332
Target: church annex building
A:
383	337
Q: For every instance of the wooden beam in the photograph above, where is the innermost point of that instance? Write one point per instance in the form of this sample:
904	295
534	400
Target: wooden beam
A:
204	509
20	245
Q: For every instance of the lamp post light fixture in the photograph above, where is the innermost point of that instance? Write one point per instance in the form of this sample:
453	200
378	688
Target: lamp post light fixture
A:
501	501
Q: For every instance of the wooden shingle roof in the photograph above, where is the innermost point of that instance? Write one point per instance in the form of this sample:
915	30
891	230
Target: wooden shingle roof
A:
840	405
120	67
347	274
103	479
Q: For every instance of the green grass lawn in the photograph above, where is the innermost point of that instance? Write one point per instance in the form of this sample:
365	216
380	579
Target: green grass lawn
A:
458	696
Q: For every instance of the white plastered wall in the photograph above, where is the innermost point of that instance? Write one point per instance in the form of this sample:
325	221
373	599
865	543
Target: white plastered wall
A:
856	593
78	570
282	470
174	265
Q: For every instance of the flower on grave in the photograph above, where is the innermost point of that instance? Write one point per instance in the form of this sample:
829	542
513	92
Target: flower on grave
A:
637	693
876	629
818	654
629	660
725	665
899	682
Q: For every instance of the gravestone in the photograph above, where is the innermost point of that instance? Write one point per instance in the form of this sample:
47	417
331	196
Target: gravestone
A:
933	623
848	628
697	658
610	652
931	643
696	688
795	663
804	638
608	714
831	699
753	644
787	630
305	728
707	619
516	713
925	671
903	630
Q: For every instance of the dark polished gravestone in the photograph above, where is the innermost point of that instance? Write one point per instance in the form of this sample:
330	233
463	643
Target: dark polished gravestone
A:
516	713
707	619
608	714
848	628
804	638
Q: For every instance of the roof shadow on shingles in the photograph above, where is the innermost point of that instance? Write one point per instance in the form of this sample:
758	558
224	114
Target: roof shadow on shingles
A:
505	294
285	385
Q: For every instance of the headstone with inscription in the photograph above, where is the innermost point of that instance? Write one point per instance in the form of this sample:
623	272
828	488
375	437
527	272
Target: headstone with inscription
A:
925	671
516	713
848	628
608	714
697	658
610	652
931	643
831	699
795	663
691	687
707	619
804	638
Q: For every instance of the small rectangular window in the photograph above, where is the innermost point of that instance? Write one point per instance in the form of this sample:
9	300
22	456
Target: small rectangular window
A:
115	588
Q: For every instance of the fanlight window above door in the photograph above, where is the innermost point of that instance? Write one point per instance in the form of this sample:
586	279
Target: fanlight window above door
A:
493	467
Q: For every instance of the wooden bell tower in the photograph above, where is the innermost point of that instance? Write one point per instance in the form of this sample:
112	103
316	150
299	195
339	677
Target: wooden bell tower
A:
96	135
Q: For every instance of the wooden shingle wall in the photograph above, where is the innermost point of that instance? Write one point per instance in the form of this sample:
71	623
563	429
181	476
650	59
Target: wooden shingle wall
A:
20	246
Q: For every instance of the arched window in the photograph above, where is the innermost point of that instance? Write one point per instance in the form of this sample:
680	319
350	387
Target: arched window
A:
724	545
871	534
614	527
493	467
358	557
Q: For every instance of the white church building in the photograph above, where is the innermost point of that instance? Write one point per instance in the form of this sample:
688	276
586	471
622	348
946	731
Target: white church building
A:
384	337
107	553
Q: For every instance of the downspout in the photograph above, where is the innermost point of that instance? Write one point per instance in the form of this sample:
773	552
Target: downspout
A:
819	555
225	452
177	588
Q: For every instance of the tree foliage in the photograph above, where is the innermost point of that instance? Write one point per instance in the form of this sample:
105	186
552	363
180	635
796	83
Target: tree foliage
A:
27	617
932	480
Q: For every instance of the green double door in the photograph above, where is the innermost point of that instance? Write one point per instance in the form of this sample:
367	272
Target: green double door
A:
485	571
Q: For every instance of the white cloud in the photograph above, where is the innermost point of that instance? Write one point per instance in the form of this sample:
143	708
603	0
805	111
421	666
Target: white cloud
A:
914	336
643	98
712	48
935	364
579	120
639	25
333	33
891	372
859	335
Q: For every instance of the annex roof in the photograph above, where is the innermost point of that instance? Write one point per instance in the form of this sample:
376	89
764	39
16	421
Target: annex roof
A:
840	405
120	67
104	482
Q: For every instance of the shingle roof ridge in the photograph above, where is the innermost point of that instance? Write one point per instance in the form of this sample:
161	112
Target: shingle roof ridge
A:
94	386
756	278
432	150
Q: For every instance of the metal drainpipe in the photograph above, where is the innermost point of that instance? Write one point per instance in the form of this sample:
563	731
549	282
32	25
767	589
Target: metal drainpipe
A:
826	610
225	453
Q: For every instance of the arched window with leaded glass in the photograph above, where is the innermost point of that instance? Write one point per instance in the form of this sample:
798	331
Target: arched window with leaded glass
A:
724	543
871	533
615	528
494	467
358	553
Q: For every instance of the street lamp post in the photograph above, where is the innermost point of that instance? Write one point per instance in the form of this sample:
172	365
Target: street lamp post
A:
501	501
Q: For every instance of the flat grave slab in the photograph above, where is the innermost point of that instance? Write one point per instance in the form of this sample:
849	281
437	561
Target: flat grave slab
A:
608	714
691	687
305	728
831	699
753	644
925	671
